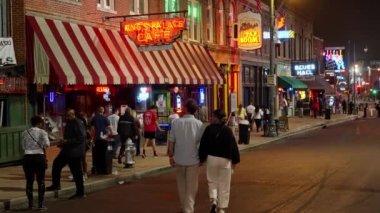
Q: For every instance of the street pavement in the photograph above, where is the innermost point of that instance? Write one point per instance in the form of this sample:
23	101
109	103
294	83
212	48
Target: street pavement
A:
12	182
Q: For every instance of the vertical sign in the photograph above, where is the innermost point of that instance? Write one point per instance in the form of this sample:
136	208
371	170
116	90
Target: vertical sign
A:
249	31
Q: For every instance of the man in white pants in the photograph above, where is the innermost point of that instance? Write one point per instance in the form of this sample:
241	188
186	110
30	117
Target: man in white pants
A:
183	140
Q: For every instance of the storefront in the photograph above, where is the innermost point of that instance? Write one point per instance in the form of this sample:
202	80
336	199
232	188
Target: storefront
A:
253	84
95	67
292	90
320	89
14	110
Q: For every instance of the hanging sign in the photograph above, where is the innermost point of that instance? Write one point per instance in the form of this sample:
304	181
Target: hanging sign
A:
249	31
7	52
154	32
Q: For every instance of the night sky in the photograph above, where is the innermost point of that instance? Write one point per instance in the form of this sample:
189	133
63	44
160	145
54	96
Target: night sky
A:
338	21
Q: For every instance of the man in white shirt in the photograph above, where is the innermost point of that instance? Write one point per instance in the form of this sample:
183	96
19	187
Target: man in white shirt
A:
184	140
114	120
250	111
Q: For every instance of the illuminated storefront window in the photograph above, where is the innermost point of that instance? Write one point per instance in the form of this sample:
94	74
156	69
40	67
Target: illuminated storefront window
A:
194	14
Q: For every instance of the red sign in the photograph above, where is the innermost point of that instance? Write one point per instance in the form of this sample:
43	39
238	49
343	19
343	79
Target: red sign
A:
154	32
280	21
15	85
102	89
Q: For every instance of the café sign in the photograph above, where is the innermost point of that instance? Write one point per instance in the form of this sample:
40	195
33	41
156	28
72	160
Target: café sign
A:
154	32
249	31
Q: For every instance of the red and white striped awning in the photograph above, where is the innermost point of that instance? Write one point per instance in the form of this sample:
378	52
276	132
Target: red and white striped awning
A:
83	54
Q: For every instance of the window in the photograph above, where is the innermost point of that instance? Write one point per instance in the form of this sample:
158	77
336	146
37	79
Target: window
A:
231	26
221	23
210	21
106	4
171	5
4	19
138	7
194	20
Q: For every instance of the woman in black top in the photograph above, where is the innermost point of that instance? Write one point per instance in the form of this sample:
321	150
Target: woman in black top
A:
219	150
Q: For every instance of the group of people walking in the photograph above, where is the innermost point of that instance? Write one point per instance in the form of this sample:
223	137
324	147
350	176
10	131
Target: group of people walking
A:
190	145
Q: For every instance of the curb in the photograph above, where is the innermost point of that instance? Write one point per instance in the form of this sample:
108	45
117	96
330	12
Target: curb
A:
21	202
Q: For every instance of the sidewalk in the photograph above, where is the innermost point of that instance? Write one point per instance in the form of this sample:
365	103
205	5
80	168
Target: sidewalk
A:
12	182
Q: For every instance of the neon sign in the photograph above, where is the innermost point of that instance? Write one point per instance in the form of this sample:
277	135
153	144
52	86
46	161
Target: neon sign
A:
51	97
306	68
249	31
143	94
154	32
201	95
102	89
283	34
334	59
280	23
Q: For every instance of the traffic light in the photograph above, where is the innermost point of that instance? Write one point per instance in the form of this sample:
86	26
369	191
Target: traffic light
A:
374	91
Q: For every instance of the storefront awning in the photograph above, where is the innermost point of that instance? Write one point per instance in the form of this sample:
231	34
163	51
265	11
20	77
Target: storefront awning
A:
320	84
290	82
89	55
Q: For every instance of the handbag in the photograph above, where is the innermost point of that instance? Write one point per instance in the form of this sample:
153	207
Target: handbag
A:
46	160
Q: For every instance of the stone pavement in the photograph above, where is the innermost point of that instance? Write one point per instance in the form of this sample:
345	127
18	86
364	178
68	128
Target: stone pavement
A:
12	182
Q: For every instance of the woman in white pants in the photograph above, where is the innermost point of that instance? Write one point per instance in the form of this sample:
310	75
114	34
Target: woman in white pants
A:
219	150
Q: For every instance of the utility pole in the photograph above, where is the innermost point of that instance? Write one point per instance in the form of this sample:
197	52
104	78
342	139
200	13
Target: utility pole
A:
272	125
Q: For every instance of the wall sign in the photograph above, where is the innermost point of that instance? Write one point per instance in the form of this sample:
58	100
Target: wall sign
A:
304	68
7	52
249	31
281	34
154	32
102	89
334	59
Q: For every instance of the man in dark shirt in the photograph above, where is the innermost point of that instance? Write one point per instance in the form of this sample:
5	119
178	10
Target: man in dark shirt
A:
72	150
102	127
126	128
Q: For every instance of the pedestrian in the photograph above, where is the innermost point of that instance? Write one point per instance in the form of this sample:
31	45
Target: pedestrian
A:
219	150
102	128
183	145
114	120
315	107
344	106
299	106
88	145
285	105
258	116
365	110
241	113
173	115
150	126
250	111
72	150
126	130
378	109
35	141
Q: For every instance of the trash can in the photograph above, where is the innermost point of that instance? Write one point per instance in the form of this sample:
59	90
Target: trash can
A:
328	114
162	136
244	135
103	157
